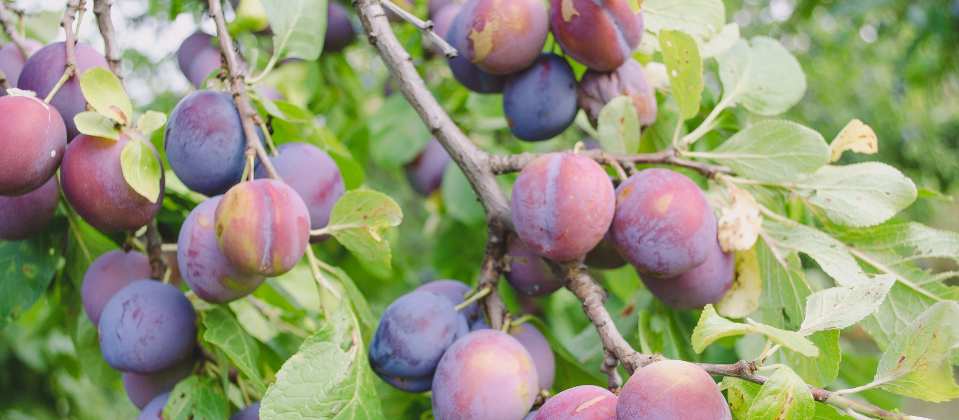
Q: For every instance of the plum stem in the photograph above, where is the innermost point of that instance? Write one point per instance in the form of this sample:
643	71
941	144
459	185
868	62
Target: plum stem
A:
73	8
425	26
10	28
473	298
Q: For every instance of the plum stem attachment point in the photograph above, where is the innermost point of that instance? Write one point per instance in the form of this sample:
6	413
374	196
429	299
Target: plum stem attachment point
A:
425	26
481	293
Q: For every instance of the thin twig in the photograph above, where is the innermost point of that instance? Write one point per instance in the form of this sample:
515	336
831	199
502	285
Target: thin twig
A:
101	8
502	164
70	68
10	28
425	26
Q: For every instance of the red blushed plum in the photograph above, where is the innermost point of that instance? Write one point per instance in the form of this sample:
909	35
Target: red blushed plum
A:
26	215
339	29
93	183
443	18
436	5
663	224
456	293
600	34
147	327
198	57
107	275
485	375
503	36
154	410
263	227
251	412
425	173
562	205
695	288
540	102
12	61
528	273
464	71
44	69
538	348
311	173
584	402
141	389
605	256
203	266
671	389
204	142
33	139
413	334
596	89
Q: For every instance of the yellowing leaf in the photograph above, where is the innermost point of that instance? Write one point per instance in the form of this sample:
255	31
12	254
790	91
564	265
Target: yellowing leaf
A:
150	122
104	92
740	221
742	298
141	169
857	137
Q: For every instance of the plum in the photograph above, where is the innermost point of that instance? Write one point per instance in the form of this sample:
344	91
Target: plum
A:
147	327
198	57
12	61
485	375
540	102
605	256
671	389
339	29
425	173
600	34
464	71
26	215
502	36
45	68
456	293
443	18
251	412
538	348
93	183
695	288
203	266
313	175
107	275
205	143
263	227
435	6
413	334
528	273
584	402
154	410
562	205
141	389
33	140
597	88
663	224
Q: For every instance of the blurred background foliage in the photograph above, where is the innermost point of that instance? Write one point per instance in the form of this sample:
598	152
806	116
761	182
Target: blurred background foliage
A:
892	63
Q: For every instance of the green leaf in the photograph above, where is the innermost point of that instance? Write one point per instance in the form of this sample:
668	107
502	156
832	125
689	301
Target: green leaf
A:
762	76
842	306
785	289
459	198
685	69
96	125
784	396
831	254
859	195
358	220
286	111
26	269
151	121
618	126
141	169
721	42
89	356
397	135
820	370
712	327
196	398
702	19
84	245
299	27
917	364
773	150
788	339
224	331
104	92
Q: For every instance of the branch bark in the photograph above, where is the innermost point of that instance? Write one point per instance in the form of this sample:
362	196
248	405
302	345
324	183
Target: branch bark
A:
101	8
502	164
10	28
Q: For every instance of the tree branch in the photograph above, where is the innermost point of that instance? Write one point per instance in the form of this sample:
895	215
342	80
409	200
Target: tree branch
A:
10	28
425	26
101	8
502	164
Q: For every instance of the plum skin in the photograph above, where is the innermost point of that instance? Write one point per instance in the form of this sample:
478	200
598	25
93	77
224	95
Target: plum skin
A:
464	71
203	266
93	183
26	215
540	102
414	332
605	256
313	175
147	327
503	36
671	389
485	375
141	389
107	275
197	57
12	61
263	227
45	67
562	205
205	143
663	225
154	410
456	293
528	273
339	29
596	89
251	412
707	283
584	402
539	349
33	141
425	173
601	35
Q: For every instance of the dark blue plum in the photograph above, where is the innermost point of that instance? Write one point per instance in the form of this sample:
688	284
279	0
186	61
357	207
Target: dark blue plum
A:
465	72
12	61
147	327
456	292
154	410
141	389
251	412
413	334
339	29
198	57
540	102
205	142
425	173
107	275
26	215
